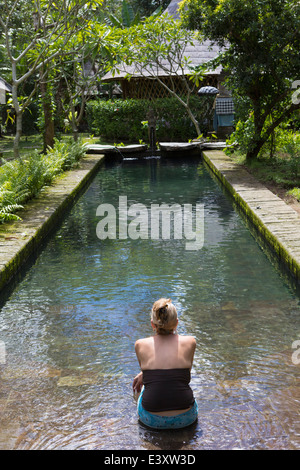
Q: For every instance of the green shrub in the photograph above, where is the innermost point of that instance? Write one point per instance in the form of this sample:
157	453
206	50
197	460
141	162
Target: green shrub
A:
122	119
283	140
290	146
242	135
62	157
295	192
21	180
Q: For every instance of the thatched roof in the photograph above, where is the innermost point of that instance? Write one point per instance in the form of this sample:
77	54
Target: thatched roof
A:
4	85
172	9
199	53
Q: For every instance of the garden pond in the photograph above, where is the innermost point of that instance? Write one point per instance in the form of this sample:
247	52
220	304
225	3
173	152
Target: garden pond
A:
70	322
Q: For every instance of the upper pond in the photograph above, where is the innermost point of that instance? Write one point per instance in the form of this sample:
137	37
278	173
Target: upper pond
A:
70	324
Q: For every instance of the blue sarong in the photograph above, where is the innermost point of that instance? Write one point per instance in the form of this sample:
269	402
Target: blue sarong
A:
166	422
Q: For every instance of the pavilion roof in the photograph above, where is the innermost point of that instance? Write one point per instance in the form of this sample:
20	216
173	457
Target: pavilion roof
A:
4	85
172	9
198	53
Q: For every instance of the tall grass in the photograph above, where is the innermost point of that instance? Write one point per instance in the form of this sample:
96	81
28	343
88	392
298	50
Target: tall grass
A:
22	180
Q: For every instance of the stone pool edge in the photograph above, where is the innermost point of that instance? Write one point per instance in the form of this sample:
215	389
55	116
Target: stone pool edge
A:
20	239
276	221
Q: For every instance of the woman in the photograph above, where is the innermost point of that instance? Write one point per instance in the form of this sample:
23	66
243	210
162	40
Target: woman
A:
166	401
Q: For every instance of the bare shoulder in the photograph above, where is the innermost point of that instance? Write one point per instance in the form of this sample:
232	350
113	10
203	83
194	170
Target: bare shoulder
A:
140	343
187	347
188	341
144	351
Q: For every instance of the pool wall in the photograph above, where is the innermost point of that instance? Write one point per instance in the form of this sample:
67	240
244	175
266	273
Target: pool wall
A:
276	221
20	239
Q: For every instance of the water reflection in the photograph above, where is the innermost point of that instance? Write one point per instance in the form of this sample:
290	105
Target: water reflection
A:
70	325
176	439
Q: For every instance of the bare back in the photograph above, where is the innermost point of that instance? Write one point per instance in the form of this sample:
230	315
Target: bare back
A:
165	352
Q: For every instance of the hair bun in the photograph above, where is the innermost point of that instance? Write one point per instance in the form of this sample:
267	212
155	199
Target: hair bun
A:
162	312
164	315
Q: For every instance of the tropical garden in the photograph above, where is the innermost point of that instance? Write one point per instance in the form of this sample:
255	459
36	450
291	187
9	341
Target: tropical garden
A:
53	56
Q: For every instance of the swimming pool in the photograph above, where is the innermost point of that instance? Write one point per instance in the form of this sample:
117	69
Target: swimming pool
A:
70	324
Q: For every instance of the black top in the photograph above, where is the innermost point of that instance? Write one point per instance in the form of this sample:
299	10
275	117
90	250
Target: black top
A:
167	389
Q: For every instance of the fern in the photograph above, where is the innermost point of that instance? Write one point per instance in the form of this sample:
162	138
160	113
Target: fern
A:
22	180
7	217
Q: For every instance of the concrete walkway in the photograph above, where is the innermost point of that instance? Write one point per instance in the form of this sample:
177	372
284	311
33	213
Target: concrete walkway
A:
20	239
275	220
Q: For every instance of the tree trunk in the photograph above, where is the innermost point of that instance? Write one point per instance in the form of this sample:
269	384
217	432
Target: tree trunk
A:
49	126
184	104
17	109
18	119
194	121
75	134
254	150
18	134
48	116
257	141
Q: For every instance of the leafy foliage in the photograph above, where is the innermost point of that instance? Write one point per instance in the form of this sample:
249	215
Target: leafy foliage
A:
282	165
147	7
21	180
261	55
122	119
156	48
35	35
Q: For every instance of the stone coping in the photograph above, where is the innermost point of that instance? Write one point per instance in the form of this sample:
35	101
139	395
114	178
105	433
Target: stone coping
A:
20	239
276	221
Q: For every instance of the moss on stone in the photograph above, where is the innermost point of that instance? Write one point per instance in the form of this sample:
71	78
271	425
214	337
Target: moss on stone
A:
20	239
232	176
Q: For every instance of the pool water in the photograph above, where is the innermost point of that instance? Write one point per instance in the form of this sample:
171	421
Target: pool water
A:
70	324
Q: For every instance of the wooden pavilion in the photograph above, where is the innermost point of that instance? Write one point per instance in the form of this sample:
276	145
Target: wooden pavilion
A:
144	86
4	88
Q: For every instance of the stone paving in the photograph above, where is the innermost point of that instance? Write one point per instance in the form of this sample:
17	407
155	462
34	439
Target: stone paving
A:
20	239
276	221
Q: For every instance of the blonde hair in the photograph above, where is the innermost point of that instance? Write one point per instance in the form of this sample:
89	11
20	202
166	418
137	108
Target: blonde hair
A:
164	316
